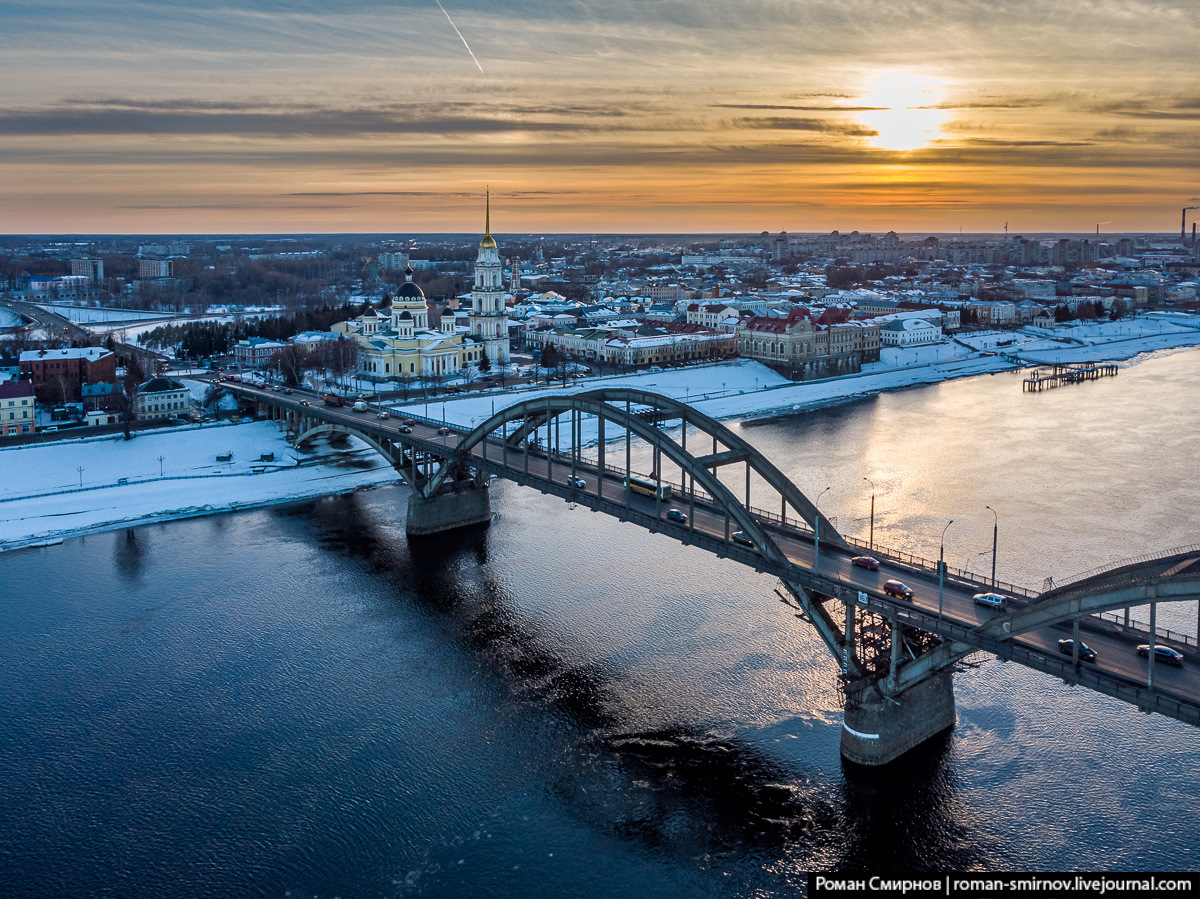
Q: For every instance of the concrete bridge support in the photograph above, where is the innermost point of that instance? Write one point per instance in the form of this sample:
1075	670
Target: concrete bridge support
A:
445	511
878	728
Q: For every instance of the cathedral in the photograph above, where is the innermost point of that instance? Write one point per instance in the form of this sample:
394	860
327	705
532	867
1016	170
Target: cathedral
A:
400	344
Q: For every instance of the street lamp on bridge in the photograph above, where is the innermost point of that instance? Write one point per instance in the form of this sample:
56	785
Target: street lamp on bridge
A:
817	530
871	540
995	529
942	564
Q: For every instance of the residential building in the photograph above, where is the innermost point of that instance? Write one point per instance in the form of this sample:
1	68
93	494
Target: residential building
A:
88	267
156	268
256	352
994	312
17	407
161	398
904	332
803	348
58	375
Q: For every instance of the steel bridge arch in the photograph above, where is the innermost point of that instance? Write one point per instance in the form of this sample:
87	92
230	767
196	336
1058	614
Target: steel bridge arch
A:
534	412
396	459
1065	606
538	411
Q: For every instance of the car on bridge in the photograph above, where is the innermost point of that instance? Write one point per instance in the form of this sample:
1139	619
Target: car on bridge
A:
443	430
1086	653
743	538
577	483
676	515
405	429
898	589
383	413
1162	654
868	562
991	600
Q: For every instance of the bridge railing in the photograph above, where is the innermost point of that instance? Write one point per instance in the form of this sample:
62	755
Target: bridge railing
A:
1142	627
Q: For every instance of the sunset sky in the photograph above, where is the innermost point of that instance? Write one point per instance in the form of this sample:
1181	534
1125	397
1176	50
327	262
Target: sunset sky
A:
681	115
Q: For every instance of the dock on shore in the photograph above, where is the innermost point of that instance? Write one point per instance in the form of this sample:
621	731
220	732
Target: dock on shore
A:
1068	373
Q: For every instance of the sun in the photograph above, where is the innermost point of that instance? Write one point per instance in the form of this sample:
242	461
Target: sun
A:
902	109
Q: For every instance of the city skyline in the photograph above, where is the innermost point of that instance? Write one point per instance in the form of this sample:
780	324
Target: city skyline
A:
680	117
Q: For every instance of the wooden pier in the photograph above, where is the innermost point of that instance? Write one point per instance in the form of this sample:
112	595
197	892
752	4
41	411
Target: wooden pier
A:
1064	373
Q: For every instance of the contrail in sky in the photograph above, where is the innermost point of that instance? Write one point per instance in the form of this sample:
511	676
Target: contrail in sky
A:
459	33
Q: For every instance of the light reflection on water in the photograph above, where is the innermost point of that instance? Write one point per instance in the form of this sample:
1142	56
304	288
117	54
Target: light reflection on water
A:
300	699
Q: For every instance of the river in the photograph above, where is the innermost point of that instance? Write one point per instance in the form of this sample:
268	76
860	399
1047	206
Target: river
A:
298	701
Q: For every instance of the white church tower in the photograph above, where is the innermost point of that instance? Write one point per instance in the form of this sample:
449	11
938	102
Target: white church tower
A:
489	317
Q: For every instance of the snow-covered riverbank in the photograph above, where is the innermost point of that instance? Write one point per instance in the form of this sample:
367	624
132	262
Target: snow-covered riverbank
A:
168	475
746	390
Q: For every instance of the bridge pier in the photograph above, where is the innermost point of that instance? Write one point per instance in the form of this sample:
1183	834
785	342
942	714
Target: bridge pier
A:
469	505
878	729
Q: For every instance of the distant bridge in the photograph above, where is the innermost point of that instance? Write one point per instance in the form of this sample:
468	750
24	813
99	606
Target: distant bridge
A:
896	656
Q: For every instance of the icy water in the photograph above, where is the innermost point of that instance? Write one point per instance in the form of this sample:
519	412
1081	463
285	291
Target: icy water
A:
300	702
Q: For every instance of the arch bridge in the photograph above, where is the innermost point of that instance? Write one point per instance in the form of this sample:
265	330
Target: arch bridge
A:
896	656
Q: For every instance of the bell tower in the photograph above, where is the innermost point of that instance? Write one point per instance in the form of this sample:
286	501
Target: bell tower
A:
489	317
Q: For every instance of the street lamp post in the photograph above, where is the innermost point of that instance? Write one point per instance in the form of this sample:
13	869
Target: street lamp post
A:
995	529
871	540
160	467
80	470
817	530
942	564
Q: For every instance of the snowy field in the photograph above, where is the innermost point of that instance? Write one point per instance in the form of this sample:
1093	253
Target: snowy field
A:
9	319
41	499
86	315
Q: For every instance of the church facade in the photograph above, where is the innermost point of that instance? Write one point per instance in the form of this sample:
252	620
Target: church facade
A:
399	344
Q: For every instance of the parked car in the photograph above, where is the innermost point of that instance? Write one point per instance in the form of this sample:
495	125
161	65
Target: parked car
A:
743	538
577	483
676	515
898	589
867	562
991	600
1086	653
1162	654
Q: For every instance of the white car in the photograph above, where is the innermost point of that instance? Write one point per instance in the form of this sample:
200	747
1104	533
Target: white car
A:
991	600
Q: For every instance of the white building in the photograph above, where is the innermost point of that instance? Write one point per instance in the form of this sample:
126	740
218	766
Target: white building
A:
161	398
489	317
910	332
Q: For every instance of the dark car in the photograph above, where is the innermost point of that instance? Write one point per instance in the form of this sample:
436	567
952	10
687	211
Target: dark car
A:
1086	653
1162	654
289	391
305	403
405	429
409	422
898	589
867	562
676	515
743	538
443	430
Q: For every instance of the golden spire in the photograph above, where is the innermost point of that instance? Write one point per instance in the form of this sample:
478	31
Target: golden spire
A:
488	240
